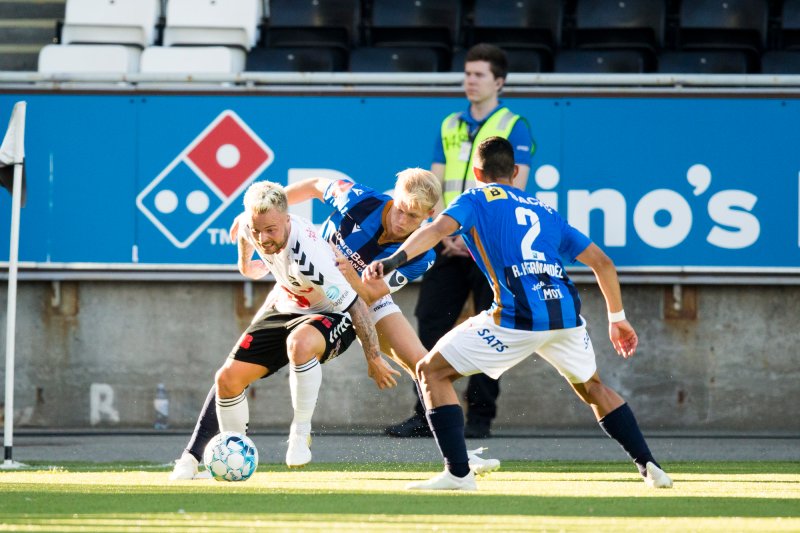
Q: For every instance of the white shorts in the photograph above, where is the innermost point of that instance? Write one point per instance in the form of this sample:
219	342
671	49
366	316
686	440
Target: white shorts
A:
382	307
478	345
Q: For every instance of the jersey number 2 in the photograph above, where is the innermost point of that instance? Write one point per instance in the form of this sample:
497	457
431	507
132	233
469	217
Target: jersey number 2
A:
526	217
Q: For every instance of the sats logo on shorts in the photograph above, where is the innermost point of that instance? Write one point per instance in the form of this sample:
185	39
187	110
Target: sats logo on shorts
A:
203	180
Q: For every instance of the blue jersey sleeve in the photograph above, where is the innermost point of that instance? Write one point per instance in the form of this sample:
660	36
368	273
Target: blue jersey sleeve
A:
337	195
520	139
462	211
573	242
418	266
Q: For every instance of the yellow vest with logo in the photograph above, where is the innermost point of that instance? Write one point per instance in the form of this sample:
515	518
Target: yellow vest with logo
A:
458	176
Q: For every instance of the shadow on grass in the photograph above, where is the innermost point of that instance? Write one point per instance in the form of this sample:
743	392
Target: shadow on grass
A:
37	503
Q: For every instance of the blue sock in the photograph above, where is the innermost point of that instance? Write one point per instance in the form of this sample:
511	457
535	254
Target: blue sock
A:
621	425
207	426
447	423
420	407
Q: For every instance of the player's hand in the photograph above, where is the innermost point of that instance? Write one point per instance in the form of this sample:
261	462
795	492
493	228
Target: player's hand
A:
623	337
345	267
256	269
374	270
454	247
234	231
382	373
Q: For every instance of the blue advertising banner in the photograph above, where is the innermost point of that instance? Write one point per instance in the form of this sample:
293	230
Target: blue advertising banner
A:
659	182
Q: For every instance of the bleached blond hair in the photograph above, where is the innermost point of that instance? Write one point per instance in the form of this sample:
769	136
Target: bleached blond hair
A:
421	187
263	196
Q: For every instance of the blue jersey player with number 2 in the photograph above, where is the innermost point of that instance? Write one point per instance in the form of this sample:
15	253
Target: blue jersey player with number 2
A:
518	242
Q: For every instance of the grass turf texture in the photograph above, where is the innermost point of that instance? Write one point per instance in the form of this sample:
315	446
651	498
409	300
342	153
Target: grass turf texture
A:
522	496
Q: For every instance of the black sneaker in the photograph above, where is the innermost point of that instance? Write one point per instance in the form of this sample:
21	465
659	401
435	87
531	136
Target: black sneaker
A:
477	430
416	426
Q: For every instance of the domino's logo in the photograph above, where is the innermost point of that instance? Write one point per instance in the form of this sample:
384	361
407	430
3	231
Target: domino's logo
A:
203	180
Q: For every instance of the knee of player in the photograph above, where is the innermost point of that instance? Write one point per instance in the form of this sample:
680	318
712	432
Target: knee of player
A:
226	382
304	344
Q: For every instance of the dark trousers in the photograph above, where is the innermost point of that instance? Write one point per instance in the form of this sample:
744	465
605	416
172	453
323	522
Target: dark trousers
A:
445	288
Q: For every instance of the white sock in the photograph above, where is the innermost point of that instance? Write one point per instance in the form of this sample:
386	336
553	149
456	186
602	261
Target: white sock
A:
233	414
304	383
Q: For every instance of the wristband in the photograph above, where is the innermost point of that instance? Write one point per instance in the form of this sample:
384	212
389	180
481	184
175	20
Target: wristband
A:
619	316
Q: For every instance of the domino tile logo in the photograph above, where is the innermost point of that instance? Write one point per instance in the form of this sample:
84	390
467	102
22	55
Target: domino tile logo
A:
203	180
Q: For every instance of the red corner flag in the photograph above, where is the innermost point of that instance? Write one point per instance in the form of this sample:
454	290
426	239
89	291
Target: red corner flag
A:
12	151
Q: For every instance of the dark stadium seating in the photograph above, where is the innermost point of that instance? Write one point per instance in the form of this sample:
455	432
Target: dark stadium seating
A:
299	59
518	24
318	23
781	62
705	62
585	35
728	24
620	24
600	61
372	59
434	24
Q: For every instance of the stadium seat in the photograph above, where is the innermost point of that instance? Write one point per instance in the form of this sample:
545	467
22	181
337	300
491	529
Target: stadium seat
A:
298	59
213	22
705	62
371	59
600	61
192	60
729	24
431	24
317	23
89	58
781	62
789	32
111	22
519	60
514	24
620	24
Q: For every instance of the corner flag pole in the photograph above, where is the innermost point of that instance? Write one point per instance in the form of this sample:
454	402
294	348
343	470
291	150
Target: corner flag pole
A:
13	155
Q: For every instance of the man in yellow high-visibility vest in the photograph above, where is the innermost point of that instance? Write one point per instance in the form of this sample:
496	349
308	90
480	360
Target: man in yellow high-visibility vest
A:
447	285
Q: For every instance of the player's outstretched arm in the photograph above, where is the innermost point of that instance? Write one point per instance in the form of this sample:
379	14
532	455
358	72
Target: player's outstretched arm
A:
369	290
306	190
422	240
377	368
620	331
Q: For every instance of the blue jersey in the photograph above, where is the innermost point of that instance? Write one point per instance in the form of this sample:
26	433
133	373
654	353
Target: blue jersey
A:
518	243
356	229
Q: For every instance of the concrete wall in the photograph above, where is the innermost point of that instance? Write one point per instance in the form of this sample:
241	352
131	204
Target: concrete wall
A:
726	360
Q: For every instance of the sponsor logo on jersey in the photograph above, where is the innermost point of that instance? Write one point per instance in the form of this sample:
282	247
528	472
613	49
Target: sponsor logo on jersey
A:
550	292
332	293
492	340
397	280
494	193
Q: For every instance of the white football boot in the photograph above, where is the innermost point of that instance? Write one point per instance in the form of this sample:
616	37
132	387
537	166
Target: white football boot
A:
479	465
445	481
299	452
657	478
185	468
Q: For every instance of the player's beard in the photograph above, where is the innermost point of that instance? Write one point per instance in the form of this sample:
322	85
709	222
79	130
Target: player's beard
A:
272	247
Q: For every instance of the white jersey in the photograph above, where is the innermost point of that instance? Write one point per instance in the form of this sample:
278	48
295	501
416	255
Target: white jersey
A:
306	277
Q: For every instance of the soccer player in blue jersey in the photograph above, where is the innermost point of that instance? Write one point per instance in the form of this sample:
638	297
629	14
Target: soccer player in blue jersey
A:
518	243
365	225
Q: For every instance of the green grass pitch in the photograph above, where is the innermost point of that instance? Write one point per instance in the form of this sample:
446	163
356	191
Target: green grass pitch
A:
522	496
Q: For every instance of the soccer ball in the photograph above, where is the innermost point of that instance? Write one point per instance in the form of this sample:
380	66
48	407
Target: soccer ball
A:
231	456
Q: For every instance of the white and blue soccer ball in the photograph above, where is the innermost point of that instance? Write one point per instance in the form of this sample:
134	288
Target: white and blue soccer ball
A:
231	456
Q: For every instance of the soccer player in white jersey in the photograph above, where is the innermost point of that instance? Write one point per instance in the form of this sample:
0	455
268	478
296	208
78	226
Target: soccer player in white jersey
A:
304	318
518	243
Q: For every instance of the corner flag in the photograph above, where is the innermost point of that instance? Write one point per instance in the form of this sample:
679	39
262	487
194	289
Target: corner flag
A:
12	151
12	158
